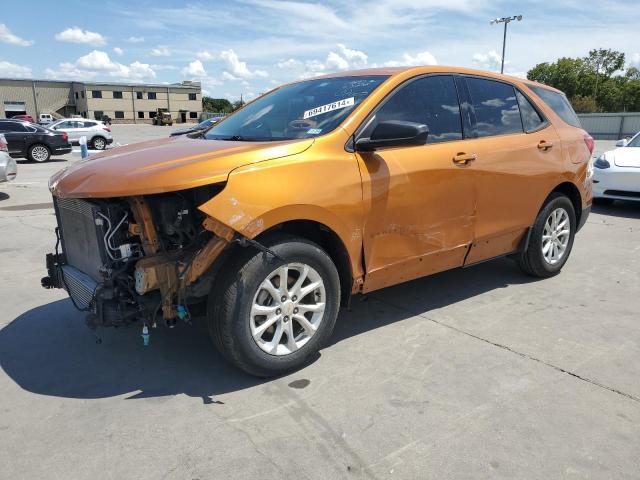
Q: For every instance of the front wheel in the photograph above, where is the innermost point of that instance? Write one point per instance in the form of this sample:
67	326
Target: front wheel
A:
268	315
551	238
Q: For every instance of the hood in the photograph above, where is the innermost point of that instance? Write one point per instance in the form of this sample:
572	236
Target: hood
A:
625	156
165	165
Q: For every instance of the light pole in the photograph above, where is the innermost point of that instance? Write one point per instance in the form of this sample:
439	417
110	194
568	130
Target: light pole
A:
506	21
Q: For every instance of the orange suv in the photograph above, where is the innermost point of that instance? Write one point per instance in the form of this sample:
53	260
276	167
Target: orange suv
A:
320	189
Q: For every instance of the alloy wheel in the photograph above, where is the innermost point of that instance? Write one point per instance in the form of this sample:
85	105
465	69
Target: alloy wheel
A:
99	144
555	236
287	309
39	153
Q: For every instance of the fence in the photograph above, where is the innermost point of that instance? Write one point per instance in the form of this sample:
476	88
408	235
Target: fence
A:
610	126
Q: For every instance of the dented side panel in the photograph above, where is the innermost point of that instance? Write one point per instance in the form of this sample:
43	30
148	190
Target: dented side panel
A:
322	184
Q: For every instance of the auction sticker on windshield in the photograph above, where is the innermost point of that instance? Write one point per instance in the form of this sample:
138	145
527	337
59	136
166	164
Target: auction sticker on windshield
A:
347	102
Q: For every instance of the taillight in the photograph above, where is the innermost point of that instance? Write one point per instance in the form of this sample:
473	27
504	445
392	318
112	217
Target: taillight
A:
65	137
106	129
3	144
588	139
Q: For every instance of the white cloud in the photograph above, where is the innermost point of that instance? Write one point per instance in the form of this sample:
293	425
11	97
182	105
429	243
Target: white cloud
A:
78	35
635	59
237	68
68	71
488	61
135	39
118	50
336	62
97	61
7	37
408	60
13	70
194	69
289	64
205	55
160	51
356	58
228	76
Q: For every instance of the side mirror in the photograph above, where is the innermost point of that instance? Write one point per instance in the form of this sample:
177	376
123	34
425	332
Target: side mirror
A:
394	133
622	143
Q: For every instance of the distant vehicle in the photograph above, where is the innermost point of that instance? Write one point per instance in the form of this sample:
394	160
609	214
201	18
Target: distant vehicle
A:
36	143
200	127
162	117
97	133
8	167
26	118
46	119
617	173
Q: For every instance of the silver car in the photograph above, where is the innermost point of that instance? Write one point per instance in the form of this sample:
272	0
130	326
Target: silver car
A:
8	166
98	134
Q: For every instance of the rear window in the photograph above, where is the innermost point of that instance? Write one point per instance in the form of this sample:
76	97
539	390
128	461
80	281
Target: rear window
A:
559	104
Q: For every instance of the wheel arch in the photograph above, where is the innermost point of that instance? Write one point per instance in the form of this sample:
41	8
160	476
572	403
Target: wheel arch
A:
326	239
572	192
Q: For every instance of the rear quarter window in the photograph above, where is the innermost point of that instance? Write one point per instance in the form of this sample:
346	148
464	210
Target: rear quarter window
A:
559	104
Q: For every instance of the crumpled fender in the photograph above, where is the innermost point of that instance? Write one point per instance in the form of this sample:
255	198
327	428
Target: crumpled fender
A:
309	186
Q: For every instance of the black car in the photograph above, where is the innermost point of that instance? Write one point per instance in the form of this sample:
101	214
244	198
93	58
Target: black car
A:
27	140
203	125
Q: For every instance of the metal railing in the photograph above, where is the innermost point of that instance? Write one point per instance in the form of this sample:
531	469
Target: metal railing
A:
610	126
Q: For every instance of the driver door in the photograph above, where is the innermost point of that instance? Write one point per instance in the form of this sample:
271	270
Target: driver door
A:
419	201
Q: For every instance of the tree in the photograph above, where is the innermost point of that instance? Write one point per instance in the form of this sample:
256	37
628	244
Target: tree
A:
237	104
217	105
597	82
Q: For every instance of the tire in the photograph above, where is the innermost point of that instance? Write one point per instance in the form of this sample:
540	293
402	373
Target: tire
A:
603	201
98	143
231	314
39	153
533	261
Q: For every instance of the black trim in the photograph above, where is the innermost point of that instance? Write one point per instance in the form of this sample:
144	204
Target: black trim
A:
583	217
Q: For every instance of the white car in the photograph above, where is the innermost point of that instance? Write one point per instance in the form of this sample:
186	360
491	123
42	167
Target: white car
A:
45	119
98	134
617	173
8	166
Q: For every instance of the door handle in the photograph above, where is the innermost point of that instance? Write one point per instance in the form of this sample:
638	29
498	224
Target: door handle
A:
464	158
544	145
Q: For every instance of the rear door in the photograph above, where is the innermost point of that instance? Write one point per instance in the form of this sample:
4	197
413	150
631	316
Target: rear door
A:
15	133
518	158
419	202
86	128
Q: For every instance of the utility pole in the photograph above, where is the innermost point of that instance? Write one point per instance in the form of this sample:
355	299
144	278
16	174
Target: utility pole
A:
506	21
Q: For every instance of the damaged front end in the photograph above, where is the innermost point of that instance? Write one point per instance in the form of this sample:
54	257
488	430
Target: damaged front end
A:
136	258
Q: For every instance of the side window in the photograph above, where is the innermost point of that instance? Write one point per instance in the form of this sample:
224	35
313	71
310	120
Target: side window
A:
96	94
531	119
559	104
139	95
15	127
87	124
495	107
432	101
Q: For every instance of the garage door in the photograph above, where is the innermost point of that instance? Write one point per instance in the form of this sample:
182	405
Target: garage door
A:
14	108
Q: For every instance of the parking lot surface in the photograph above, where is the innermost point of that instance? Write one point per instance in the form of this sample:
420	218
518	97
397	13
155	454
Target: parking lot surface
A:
473	373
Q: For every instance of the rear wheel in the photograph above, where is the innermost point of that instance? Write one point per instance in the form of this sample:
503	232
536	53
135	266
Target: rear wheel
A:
39	153
551	238
98	143
268	315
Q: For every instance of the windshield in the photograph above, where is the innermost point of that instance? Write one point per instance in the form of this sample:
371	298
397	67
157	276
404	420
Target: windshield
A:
635	141
301	110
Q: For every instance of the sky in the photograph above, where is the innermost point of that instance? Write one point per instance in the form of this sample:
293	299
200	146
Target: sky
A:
249	46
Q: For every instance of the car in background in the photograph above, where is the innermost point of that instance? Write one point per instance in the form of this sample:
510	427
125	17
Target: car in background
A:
617	173
8	167
98	134
36	143
26	118
46	119
200	127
